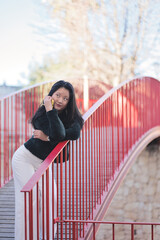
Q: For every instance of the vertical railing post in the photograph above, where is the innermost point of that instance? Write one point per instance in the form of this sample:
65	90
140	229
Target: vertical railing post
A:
122	123
61	190
11	130
86	169
26	116
73	231
112	119
43	203
113	231
47	205
58	197
94	232
127	119
8	142
70	193
53	202
83	160
99	153
131	105
92	169
89	167
80	182
73	183
152	232
25	214
76	184
31	215
118	128
37	197
132	232
5	144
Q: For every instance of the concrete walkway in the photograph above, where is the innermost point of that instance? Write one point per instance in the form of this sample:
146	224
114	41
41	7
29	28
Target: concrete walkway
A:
7	211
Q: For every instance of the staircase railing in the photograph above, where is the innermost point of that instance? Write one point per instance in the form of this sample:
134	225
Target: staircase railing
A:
114	127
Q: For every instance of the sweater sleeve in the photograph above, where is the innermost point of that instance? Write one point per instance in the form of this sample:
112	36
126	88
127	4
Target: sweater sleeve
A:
57	130
73	132
56	127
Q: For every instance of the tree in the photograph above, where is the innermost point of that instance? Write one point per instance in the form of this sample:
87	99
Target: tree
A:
108	40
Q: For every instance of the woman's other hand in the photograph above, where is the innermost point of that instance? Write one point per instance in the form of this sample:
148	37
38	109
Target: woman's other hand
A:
39	134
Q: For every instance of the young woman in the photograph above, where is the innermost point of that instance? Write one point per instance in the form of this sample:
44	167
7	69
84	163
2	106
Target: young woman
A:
57	119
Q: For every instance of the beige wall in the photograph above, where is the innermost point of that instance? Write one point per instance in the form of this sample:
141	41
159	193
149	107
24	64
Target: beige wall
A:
137	199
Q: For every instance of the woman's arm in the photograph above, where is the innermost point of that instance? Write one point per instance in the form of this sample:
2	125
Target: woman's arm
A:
58	131
56	127
71	133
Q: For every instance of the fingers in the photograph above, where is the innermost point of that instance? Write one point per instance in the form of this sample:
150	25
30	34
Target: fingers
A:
36	133
39	134
47	99
48	103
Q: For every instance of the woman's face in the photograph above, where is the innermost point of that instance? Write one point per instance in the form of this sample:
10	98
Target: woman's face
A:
61	98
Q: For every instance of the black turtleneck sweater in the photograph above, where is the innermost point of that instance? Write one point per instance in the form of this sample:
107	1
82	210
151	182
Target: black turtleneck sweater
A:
52	126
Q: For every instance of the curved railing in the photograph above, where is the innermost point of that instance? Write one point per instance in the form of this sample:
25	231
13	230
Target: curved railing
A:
15	111
116	129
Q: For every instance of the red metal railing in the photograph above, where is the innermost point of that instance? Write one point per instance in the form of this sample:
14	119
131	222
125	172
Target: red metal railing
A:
119	125
133	231
15	111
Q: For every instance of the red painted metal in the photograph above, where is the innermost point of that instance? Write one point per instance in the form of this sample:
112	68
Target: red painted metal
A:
37	195
70	194
47	203
4	141
43	216
126	111
25	214
113	229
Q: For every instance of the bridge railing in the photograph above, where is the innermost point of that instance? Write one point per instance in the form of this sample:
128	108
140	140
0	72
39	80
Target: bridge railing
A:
15	112
113	127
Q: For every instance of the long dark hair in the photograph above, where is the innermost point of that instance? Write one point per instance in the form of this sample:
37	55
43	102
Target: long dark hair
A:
70	113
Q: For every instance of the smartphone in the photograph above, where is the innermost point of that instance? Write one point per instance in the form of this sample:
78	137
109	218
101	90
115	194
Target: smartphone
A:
52	103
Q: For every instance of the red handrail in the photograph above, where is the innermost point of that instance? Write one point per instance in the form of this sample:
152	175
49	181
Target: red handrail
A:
116	129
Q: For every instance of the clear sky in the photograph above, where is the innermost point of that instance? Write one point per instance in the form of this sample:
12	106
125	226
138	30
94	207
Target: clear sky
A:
20	44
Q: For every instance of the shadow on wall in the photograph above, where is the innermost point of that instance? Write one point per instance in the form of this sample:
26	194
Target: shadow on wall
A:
153	145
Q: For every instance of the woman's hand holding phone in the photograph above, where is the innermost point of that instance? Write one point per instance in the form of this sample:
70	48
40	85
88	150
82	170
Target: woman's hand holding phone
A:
48	103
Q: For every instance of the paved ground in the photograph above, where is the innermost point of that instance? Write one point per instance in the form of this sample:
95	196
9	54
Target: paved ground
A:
7	211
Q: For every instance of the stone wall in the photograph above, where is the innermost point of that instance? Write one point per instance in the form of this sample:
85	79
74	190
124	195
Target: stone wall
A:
137	199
